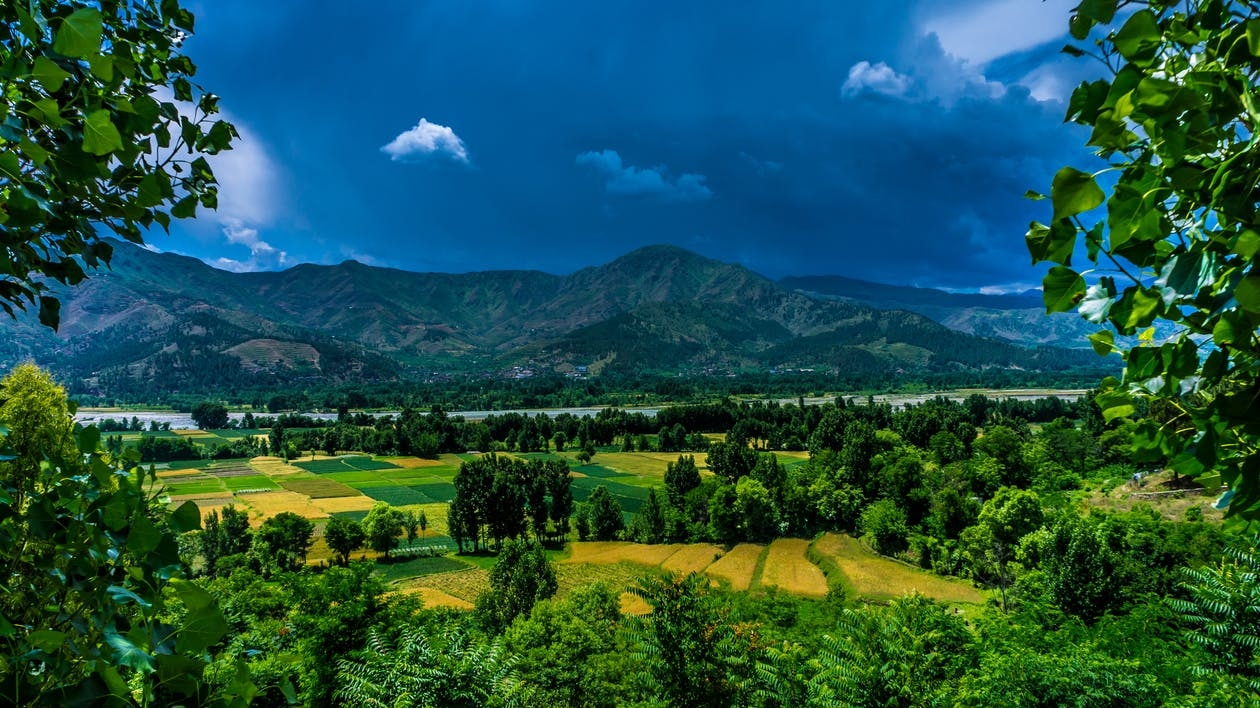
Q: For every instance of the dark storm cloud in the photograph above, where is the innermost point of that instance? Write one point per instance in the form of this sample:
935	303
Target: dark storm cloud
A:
810	137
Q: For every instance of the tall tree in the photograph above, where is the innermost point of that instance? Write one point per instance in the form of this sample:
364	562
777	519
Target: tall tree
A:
209	415
344	536
383	525
283	540
681	477
606	518
521	577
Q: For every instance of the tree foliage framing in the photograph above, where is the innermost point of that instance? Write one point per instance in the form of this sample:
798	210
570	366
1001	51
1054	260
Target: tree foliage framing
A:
1179	233
88	141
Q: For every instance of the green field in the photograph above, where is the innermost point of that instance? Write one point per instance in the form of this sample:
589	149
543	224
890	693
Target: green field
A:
343	464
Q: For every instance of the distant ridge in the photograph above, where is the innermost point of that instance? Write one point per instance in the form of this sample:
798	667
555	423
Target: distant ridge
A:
164	320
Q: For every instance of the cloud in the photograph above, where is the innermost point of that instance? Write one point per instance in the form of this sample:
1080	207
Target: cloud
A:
424	140
981	32
262	255
879	78
628	180
934	75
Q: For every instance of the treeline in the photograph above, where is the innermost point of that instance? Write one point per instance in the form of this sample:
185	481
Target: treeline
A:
479	391
498	498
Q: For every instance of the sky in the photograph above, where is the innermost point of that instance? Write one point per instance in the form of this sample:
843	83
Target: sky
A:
891	141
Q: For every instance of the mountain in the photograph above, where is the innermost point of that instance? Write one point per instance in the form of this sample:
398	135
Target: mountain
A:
1019	318
156	323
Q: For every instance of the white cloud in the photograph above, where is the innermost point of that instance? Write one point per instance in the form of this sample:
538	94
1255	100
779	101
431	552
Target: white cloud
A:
426	139
981	32
628	180
262	255
934	75
878	78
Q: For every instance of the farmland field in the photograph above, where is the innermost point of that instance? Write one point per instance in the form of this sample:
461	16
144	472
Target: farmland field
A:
873	576
739	566
788	568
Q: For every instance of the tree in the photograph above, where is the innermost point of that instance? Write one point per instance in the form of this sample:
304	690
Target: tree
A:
423	520
210	416
383	525
224	536
521	577
725	521
344	536
283	541
91	564
1176	122
884	525
606	519
1005	519
649	524
411	524
681	477
90	141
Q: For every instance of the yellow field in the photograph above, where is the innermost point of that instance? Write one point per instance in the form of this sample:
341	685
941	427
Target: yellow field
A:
435	514
737	566
267	504
275	467
692	558
332	505
632	604
411	463
192	433
435	598
620	552
166	474
869	575
204	504
465	585
788	568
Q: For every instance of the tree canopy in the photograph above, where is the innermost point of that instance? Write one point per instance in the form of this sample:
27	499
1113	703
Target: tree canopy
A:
1175	239
103	129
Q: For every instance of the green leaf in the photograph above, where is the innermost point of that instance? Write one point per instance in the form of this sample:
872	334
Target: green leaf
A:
1138	39
1103	342
186	518
46	640
10	166
1115	404
1098	10
49	312
1062	288
1247	293
1146	304
144	536
1051	243
80	34
100	137
1248	244
1074	192
185	208
102	66
128	654
201	629
1230	328
89	439
47	73
1253	36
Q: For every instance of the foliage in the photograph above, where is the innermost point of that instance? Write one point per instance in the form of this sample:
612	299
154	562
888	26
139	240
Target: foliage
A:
93	138
283	540
520	578
96	607
224	538
991	544
382	526
884	524
605	515
1176	122
693	657
344	536
431	669
209	415
1224	610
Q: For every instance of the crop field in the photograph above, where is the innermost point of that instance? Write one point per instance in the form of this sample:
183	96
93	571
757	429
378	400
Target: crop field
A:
869	575
739	566
630	498
319	488
692	558
344	464
788	568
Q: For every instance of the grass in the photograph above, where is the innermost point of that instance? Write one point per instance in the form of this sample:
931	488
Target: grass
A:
319	488
788	568
200	485
345	464
875	577
419	567
739	566
254	481
398	495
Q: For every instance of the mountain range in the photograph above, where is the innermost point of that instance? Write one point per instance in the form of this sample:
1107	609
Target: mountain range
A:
177	322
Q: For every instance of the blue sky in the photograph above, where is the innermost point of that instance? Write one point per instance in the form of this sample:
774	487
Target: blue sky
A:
891	141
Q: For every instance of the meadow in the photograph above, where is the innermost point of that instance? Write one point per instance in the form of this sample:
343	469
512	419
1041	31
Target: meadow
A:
320	486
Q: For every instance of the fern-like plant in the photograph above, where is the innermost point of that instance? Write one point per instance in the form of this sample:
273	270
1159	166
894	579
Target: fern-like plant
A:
1224	613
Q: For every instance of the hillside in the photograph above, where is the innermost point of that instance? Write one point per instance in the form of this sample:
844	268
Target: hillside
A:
168	322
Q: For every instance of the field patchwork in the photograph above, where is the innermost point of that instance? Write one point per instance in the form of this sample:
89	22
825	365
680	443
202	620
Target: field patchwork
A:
788	568
738	566
869	575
